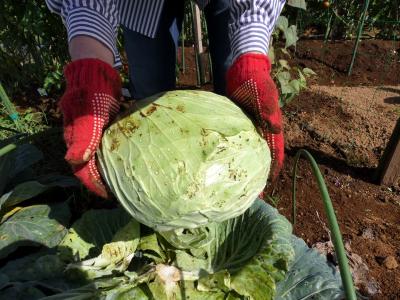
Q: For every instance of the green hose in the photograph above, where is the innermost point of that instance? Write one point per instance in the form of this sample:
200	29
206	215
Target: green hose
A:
333	225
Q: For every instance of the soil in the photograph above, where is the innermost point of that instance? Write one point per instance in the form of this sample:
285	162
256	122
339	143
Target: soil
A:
377	62
345	122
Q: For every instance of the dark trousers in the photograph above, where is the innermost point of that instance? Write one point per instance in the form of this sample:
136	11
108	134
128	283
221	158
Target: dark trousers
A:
152	61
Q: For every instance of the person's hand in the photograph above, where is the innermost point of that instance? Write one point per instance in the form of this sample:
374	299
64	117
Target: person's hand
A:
90	101
250	85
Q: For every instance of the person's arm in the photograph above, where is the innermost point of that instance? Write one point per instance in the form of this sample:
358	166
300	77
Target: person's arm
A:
249	83
252	25
93	91
81	47
92	28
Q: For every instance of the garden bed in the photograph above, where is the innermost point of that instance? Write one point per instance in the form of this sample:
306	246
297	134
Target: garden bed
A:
345	122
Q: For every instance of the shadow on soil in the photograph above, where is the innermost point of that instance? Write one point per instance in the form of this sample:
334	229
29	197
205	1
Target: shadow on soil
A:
392	100
390	89
366	174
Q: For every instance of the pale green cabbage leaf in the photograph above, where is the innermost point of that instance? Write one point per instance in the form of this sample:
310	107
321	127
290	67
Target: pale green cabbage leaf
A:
310	276
182	159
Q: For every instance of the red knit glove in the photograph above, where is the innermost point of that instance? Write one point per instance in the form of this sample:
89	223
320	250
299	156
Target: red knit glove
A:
249	84
90	101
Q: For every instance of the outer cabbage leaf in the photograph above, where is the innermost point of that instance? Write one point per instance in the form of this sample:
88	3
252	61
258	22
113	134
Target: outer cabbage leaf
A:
87	292
22	290
37	266
181	290
232	244
310	276
17	161
29	189
149	247
34	225
115	257
87	235
183	159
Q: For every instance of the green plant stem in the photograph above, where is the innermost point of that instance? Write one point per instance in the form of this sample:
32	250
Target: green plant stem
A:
332	221
7	148
359	32
328	27
10	108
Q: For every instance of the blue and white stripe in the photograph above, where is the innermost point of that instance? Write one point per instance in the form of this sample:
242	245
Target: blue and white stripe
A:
252	24
250	30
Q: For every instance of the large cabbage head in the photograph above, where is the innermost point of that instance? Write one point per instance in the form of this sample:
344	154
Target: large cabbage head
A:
184	158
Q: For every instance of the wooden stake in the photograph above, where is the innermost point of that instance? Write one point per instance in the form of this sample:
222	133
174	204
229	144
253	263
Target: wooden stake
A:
390	163
198	42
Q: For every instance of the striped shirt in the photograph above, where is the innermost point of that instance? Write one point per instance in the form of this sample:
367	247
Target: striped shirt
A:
250	29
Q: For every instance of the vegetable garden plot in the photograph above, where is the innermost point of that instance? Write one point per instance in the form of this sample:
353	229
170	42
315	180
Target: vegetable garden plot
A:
106	254
345	128
346	122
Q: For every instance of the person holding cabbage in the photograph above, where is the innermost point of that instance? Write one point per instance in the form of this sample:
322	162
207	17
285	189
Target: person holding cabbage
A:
239	33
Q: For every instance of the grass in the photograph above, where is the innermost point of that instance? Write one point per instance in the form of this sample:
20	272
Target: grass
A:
14	122
29	122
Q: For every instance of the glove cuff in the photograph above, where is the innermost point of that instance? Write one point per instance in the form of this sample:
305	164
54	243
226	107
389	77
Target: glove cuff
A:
94	74
254	58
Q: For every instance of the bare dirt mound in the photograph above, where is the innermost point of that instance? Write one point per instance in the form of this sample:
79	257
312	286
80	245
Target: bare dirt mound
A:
346	122
377	62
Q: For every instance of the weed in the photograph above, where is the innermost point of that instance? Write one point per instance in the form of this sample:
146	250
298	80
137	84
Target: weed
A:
273	199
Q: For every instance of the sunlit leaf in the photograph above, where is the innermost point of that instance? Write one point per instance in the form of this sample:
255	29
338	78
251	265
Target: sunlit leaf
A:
34	225
290	36
298	3
282	23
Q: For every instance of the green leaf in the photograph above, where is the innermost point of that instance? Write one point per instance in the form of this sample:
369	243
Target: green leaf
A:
285	51
186	261
233	243
253	282
291	36
284	64
149	247
220	281
30	189
302	79
94	229
126	292
18	290
258	278
181	290
114	257
282	23
295	84
308	72
33	225
284	82
87	292
37	266
271	54
310	276
298	3
17	161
